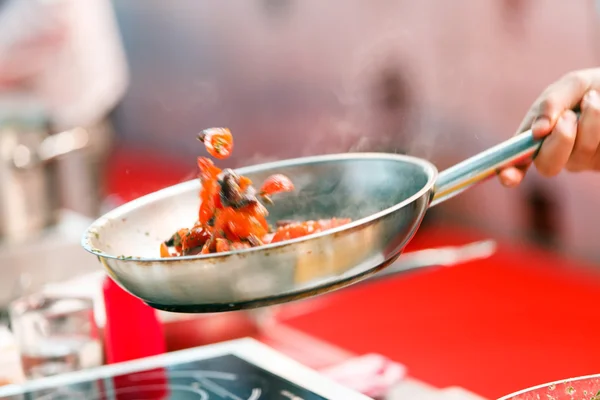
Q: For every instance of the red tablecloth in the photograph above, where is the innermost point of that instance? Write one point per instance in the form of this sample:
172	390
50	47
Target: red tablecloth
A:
520	318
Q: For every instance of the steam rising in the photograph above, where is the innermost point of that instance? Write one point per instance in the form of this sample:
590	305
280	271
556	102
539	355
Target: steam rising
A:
375	106
379	106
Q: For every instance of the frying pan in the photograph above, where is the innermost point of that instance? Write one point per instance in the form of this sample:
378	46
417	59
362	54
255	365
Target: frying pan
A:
585	388
386	195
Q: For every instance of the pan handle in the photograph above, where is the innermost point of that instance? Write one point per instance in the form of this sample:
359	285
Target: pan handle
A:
485	165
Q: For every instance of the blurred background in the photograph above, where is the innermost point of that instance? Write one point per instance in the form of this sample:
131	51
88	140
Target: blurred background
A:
100	102
293	78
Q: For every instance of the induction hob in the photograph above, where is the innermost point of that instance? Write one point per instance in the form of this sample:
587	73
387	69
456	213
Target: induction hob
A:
238	370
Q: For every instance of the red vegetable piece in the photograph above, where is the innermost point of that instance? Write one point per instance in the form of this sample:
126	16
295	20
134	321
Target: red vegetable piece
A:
217	200
240	245
245	183
222	245
208	177
206	212
218	142
277	183
164	251
242	224
177	238
205	249
195	238
208	170
220	228
295	230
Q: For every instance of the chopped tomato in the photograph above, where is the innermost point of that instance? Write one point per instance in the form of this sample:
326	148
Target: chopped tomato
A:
206	212
231	215
257	210
210	189
222	245
196	237
240	224
277	183
176	239
205	249
208	170
164	251
218	142
295	230
240	245
217	200
245	183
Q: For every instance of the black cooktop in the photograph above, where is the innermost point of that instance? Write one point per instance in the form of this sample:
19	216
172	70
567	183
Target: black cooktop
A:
226	377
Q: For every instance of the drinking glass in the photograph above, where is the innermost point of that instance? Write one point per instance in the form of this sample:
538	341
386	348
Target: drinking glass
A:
55	334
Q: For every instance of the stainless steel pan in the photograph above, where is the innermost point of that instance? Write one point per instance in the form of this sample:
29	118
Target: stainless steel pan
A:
386	195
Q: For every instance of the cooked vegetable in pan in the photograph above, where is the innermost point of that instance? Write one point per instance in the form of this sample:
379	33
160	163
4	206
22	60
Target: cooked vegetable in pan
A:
232	215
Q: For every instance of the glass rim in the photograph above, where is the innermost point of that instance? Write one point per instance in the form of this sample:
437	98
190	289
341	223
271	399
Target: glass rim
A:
42	302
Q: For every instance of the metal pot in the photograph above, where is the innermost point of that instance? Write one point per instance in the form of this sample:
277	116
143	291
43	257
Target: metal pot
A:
29	187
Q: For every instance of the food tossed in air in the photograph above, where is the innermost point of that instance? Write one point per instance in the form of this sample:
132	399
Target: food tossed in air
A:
218	142
231	215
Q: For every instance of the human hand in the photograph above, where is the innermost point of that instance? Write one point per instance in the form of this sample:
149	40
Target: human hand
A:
571	144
